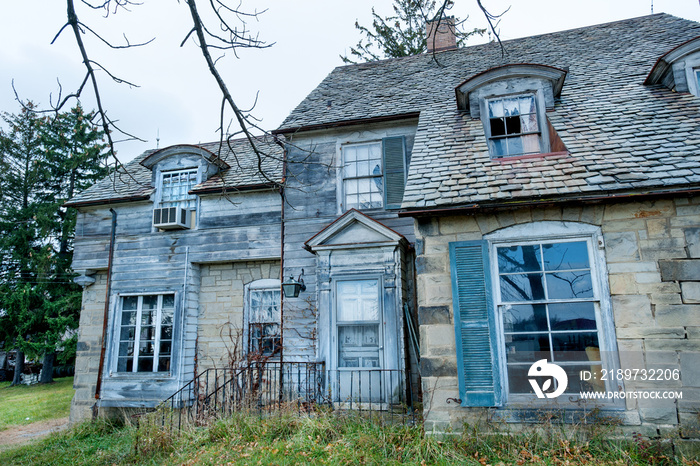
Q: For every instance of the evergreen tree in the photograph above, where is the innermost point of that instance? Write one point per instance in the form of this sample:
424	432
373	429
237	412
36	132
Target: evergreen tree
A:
45	161
19	244
401	35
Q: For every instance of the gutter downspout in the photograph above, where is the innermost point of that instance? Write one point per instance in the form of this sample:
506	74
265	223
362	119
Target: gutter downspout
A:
105	321
281	276
183	313
282	200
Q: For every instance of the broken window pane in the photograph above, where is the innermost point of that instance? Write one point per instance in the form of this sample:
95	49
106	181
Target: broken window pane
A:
511	107
495	109
513	126
498	127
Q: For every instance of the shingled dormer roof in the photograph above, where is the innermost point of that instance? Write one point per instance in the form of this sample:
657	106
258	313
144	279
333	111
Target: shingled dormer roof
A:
133	182
620	134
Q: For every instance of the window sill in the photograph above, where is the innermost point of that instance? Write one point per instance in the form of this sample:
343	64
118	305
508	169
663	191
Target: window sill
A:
153	376
368	211
517	158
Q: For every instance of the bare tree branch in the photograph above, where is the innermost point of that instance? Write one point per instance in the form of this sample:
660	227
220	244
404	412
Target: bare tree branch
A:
110	45
241	118
490	18
107	124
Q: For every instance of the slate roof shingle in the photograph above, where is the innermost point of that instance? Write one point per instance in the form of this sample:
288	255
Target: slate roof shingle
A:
621	135
133	181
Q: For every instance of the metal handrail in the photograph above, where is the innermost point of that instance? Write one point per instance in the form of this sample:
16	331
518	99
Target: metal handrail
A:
271	386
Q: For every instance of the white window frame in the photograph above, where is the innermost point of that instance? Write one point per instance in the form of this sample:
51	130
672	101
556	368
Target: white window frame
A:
542	138
337	323
372	177
263	285
189	201
547	232
137	333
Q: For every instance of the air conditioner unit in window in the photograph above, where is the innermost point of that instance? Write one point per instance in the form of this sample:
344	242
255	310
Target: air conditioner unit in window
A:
171	218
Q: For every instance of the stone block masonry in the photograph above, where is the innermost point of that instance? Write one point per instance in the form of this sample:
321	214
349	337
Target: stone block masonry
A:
87	360
653	269
221	303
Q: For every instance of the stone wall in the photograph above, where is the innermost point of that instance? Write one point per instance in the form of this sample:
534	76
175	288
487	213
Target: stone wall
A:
221	299
652	250
87	359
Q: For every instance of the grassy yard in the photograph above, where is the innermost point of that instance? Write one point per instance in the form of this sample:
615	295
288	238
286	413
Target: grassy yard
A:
26	404
332	439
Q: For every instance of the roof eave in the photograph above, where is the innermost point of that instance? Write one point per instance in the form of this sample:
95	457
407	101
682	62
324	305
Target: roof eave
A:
483	207
664	62
227	189
113	200
341	123
512	70
152	159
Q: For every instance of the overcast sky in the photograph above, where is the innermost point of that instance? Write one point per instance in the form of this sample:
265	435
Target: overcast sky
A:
177	98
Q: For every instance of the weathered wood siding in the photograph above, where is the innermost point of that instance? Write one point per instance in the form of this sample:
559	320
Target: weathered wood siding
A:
238	227
311	205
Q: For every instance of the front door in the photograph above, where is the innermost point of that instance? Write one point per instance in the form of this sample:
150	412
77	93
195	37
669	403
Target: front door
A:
360	375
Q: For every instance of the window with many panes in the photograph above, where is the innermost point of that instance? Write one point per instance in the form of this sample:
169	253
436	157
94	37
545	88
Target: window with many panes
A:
549	309
146	333
264	321
358	319
175	187
513	126
362	176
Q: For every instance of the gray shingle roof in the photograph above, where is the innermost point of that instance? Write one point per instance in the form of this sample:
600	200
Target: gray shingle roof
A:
620	134
133	181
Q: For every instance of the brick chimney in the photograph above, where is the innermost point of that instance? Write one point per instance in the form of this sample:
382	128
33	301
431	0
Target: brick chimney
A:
444	38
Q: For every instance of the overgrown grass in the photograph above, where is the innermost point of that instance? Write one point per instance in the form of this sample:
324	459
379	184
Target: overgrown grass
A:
24	404
100	442
338	439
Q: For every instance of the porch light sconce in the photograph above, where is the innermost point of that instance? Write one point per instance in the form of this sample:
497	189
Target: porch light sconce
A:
291	287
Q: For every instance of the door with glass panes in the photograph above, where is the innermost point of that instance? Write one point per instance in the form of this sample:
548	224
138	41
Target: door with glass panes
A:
360	356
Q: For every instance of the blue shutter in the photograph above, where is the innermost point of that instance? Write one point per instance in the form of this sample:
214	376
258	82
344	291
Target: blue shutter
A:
475	325
394	171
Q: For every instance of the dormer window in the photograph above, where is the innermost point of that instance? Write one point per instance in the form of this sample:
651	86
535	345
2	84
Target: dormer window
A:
679	68
175	187
176	171
511	102
513	127
176	207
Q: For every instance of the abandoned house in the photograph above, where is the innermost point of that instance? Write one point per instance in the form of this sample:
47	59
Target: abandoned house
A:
449	219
